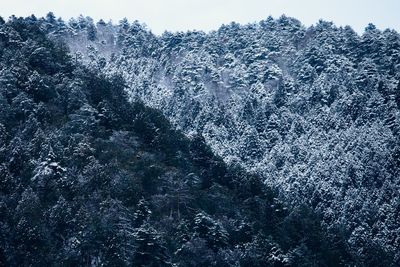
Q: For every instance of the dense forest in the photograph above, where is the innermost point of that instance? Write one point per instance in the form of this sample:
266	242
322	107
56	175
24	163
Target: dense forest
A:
267	144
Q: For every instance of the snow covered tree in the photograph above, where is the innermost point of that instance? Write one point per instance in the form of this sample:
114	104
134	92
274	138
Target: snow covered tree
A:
149	248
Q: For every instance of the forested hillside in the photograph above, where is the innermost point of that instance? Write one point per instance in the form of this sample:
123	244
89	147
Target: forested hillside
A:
89	179
290	154
313	111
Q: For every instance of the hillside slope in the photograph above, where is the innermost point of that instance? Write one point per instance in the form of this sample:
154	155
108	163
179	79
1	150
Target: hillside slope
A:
313	111
89	179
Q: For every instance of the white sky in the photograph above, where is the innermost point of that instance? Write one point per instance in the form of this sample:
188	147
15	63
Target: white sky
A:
182	15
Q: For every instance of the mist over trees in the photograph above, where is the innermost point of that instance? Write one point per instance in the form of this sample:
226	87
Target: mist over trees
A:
267	144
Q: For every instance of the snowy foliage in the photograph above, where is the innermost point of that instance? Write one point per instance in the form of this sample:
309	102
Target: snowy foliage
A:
306	121
313	111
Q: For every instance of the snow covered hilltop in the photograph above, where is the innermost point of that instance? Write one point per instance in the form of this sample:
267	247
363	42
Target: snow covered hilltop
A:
294	130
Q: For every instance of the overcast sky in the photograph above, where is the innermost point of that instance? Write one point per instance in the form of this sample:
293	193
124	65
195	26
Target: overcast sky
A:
182	15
